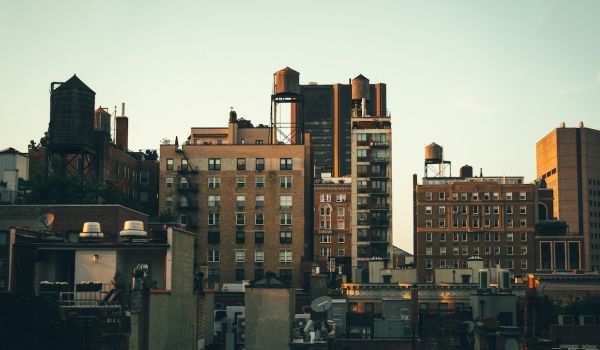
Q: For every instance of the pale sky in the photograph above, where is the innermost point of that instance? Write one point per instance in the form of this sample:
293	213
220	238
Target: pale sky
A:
484	79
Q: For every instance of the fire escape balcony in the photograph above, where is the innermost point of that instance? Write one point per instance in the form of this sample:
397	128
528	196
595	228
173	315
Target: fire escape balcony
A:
187	169
189	187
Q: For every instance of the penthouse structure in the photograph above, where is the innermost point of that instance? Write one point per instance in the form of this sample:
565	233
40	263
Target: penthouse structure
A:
249	200
459	217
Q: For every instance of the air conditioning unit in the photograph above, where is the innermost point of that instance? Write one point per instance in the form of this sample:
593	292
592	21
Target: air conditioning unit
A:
564	320
484	279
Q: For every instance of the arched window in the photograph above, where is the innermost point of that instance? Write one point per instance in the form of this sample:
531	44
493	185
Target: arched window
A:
183	202
543	211
325	216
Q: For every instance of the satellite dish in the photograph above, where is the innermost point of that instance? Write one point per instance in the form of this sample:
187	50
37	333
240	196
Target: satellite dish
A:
511	344
46	220
321	304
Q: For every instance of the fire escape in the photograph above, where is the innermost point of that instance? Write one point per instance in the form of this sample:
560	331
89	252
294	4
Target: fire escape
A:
187	188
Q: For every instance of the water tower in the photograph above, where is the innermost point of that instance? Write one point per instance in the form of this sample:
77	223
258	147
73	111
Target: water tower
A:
70	148
286	89
435	165
360	95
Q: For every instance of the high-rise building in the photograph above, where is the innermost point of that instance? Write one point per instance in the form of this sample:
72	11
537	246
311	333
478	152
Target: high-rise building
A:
249	201
325	111
371	170
332	222
568	160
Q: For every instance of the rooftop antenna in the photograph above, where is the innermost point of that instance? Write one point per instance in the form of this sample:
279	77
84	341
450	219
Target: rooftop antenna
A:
115	126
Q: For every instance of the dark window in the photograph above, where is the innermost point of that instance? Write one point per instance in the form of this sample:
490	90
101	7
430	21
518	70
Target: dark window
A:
285	275
285	163
184	164
169	163
259	274
260	164
259	237
240	237
241	164
545	258
239	274
559	256
573	255
285	237
214	274
214	238
214	163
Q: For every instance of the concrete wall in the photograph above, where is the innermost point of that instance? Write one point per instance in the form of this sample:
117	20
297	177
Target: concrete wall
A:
173	312
269	317
102	271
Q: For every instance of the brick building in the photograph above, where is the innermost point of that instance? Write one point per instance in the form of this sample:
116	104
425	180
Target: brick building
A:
568	160
332	222
250	202
459	217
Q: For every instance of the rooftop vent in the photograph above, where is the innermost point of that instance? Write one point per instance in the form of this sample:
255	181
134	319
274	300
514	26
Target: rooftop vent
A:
91	232
133	230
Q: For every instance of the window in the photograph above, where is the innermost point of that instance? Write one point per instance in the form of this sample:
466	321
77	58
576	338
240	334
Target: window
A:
443	237
509	223
428	264
455	196
428	236
324	238
429	250
428	223
464	250
443	250
240	201
240	237
509	250
442	223
240	219
143	196
341	252
475	210
486	196
285	275
259	256
523	264
259	142
487	250
259	237
488	237
169	202
214	219
455	237
213	275
285	181
496	250
285	164
285	255
523	237
184	165
523	250
442	196
259	274
144	177
259	219
241	164
475	223
361	137
341	238
475	196
214	201
496	209
361	153
509	237
325	216
260	201
183	183
260	181
496	237
169	182
285	237
428	196
509	209
260	164
454	250
341	211
428	210
496	196
465	237
214	256
475	250
475	237
455	209
523	209
464	209
442	210
239	274
170	163
341	225
340	198
214	182
523	222
523	196
285	201
324	197
214	238
240	255
214	163
285	218
463	196
508	196
240	182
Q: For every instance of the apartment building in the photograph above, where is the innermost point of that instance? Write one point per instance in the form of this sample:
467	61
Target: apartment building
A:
568	160
456	218
332	222
250	202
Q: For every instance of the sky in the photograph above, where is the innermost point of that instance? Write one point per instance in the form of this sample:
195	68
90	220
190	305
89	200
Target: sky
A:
484	79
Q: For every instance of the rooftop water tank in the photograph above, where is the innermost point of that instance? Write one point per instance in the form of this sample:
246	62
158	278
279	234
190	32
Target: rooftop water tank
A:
466	171
360	88
434	152
287	81
102	120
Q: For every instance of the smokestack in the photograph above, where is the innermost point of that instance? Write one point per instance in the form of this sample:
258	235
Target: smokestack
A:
122	137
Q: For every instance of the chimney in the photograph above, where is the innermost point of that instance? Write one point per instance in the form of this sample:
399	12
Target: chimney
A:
581	124
122	137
